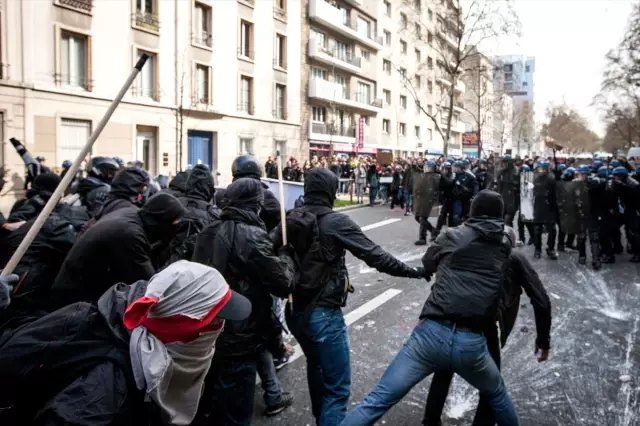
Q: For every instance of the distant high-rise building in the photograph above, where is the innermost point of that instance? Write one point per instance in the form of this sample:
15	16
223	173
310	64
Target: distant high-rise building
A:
514	77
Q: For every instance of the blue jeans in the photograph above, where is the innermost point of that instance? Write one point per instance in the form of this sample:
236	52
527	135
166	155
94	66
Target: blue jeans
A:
408	199
432	347
325	342
372	195
268	379
384	193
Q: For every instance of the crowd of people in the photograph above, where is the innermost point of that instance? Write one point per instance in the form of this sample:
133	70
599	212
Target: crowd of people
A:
137	304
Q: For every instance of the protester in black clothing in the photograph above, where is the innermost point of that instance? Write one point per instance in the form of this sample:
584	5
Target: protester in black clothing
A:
239	247
138	356
518	275
116	249
271	168
177	185
93	190
130	188
41	190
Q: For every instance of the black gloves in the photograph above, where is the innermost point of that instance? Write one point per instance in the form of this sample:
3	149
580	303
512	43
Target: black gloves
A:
418	272
6	285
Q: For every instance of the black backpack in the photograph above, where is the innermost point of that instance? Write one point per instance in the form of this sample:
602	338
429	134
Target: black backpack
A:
183	244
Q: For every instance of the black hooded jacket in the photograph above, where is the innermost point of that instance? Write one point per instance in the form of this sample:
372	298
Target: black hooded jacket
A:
127	190
338	233
86	378
117	249
177	185
239	247
41	190
199	194
468	262
93	193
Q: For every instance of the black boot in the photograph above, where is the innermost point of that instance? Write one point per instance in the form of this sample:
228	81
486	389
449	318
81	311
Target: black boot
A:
608	259
594	240
537	254
552	255
434	234
422	234
561	247
582	260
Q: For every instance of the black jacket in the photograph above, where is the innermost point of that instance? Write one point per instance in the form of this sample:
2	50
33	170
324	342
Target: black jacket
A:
520	275
467	261
239	247
339	233
544	198
86	379
31	208
93	193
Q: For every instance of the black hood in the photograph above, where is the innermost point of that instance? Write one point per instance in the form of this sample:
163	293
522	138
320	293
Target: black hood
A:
320	187
199	185
88	184
114	302
158	215
489	228
179	182
128	183
244	194
219	197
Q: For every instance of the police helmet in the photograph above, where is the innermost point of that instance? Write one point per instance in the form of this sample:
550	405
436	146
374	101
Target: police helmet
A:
596	165
583	168
446	165
246	166
543	163
620	171
465	162
614	163
569	172
507	158
430	163
603	171
104	168
562	167
525	168
119	161
458	163
66	164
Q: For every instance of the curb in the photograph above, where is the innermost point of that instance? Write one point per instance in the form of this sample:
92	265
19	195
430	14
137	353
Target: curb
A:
354	206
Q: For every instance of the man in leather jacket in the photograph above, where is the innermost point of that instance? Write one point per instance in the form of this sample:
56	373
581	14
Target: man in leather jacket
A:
239	247
316	318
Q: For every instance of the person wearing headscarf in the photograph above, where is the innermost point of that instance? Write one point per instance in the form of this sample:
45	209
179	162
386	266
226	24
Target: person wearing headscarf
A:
116	249
139	356
129	188
239	247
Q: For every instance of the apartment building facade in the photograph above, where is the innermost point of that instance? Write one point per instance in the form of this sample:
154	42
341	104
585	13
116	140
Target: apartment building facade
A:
516	77
223	79
478	102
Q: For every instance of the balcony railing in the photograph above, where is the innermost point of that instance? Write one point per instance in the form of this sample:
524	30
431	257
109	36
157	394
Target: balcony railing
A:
279	114
246	108
329	15
202	39
73	81
147	20
327	129
202	101
85	5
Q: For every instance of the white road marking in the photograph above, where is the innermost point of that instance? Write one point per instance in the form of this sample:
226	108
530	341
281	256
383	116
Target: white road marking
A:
379	224
354	316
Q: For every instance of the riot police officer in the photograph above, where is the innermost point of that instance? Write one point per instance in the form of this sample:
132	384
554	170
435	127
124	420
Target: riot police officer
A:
426	189
544	209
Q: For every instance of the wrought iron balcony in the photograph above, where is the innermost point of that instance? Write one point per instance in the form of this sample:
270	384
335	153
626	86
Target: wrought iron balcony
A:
85	5
147	20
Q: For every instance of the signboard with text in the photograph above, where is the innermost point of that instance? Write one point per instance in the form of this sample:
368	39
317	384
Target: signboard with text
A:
360	132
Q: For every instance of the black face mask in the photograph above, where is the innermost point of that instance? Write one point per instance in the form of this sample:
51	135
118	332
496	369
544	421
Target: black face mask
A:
158	216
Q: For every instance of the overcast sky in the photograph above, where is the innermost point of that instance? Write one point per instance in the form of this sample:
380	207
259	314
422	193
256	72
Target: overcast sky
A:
569	39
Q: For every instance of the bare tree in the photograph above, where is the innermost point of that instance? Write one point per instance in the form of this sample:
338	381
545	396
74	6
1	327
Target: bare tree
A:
520	126
461	28
503	110
567	128
622	131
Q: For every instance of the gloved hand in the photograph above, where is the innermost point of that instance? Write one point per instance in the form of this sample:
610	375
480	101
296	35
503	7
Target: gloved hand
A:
418	272
6	286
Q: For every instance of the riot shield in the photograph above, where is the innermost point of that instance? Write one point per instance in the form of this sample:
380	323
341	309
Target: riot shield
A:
426	188
577	207
526	196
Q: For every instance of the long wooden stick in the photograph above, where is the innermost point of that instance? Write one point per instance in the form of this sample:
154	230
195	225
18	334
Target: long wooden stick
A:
53	201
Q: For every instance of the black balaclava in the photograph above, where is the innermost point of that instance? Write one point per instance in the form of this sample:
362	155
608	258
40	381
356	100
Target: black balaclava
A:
487	203
320	187
158	216
219	197
45	184
199	184
131	184
244	194
179	182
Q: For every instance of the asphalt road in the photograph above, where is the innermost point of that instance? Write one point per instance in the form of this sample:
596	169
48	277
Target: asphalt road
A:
591	379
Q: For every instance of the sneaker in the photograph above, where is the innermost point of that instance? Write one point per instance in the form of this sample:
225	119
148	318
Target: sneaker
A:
286	400
421	242
278	363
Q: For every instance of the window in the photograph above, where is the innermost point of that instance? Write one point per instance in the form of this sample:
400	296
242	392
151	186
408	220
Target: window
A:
527	68
508	68
430	134
387	96
386	66
430	63
403	47
320	38
147	147
202	25
365	54
508	76
281	102
246	39
74	60
147	83
281	51
364	93
318	114
418	56
203	84
245	147
403	73
363	27
403	101
281	147
430	38
418	30
319	73
418	81
430	13
281	4
430	87
418	110
342	82
147	15
387	8
403	21
246	94
386	125
430	109
387	38
525	84
508	87
73	137
417	132
402	129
